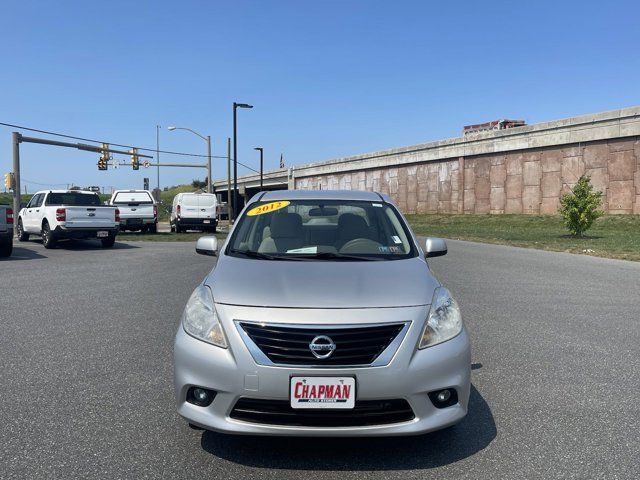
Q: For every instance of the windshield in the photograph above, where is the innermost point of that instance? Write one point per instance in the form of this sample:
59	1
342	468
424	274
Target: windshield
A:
321	230
73	199
133	197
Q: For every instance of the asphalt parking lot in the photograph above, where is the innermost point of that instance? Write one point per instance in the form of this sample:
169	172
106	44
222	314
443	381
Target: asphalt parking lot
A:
86	378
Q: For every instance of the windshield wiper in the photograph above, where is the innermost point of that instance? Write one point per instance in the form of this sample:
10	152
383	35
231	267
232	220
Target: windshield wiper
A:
251	254
260	255
335	256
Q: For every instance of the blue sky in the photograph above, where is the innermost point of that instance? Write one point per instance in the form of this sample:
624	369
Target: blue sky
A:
327	78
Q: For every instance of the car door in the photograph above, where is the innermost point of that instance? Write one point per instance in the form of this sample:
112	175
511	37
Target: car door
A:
176	200
40	212
30	216
189	206
206	207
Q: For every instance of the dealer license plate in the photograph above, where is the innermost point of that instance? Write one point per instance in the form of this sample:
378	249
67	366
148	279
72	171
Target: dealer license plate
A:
103	234
323	392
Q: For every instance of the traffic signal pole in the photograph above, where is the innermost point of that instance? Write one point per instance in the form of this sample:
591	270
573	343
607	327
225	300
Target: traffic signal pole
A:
15	138
18	138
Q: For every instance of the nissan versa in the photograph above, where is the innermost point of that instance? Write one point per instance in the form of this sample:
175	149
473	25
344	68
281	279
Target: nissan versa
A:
321	317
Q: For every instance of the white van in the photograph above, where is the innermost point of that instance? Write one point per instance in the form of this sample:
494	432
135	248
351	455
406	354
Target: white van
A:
194	211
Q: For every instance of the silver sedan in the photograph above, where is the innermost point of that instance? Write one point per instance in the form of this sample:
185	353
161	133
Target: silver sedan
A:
321	318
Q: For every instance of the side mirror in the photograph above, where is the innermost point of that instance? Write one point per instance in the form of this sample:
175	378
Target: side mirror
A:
435	247
207	245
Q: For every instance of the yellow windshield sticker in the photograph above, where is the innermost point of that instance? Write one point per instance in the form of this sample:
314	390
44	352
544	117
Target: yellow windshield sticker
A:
267	208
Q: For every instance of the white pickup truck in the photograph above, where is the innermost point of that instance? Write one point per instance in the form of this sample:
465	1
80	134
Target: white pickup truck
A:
60	214
6	230
138	210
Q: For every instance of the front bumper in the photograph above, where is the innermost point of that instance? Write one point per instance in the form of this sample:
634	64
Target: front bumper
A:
410	375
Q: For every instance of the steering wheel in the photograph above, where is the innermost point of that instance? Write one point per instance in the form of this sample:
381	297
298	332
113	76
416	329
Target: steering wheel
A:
361	245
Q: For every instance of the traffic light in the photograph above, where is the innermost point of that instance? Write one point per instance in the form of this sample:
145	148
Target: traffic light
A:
9	181
103	161
135	161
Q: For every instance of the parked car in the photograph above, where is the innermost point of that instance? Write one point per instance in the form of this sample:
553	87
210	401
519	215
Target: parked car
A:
194	211
6	231
60	214
321	318
138	210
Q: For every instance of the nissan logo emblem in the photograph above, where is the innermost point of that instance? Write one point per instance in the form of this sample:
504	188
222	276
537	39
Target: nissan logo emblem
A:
322	347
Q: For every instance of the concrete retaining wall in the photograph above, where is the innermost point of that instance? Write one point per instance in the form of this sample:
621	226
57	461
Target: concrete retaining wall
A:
522	170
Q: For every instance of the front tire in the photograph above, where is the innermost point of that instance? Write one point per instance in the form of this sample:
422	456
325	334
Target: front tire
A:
108	242
22	236
48	240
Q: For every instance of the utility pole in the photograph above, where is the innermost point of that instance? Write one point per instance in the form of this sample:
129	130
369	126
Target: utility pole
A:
210	179
229	211
16	138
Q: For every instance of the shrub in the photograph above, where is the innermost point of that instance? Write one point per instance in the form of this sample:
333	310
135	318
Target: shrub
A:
580	208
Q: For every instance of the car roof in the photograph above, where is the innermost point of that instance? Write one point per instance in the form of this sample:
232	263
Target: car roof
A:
276	195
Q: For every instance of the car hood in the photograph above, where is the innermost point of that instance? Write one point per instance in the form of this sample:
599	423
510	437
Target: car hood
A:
321	284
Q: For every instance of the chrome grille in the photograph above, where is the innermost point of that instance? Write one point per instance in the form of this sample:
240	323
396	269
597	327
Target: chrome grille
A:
282	344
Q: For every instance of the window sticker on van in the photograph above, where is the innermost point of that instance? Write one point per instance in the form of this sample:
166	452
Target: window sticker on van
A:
267	208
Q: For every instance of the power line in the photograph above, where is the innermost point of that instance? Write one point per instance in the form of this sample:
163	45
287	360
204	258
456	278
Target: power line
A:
46	132
102	141
24	180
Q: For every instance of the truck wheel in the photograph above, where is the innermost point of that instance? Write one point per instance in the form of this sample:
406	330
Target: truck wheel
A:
6	247
172	228
48	240
179	229
22	236
108	242
153	228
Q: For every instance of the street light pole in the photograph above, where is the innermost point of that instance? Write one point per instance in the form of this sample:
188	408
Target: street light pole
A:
229	210
158	127
261	150
208	140
235	154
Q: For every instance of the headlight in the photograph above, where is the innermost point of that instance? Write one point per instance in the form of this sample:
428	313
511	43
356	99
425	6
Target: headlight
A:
444	321
200	319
